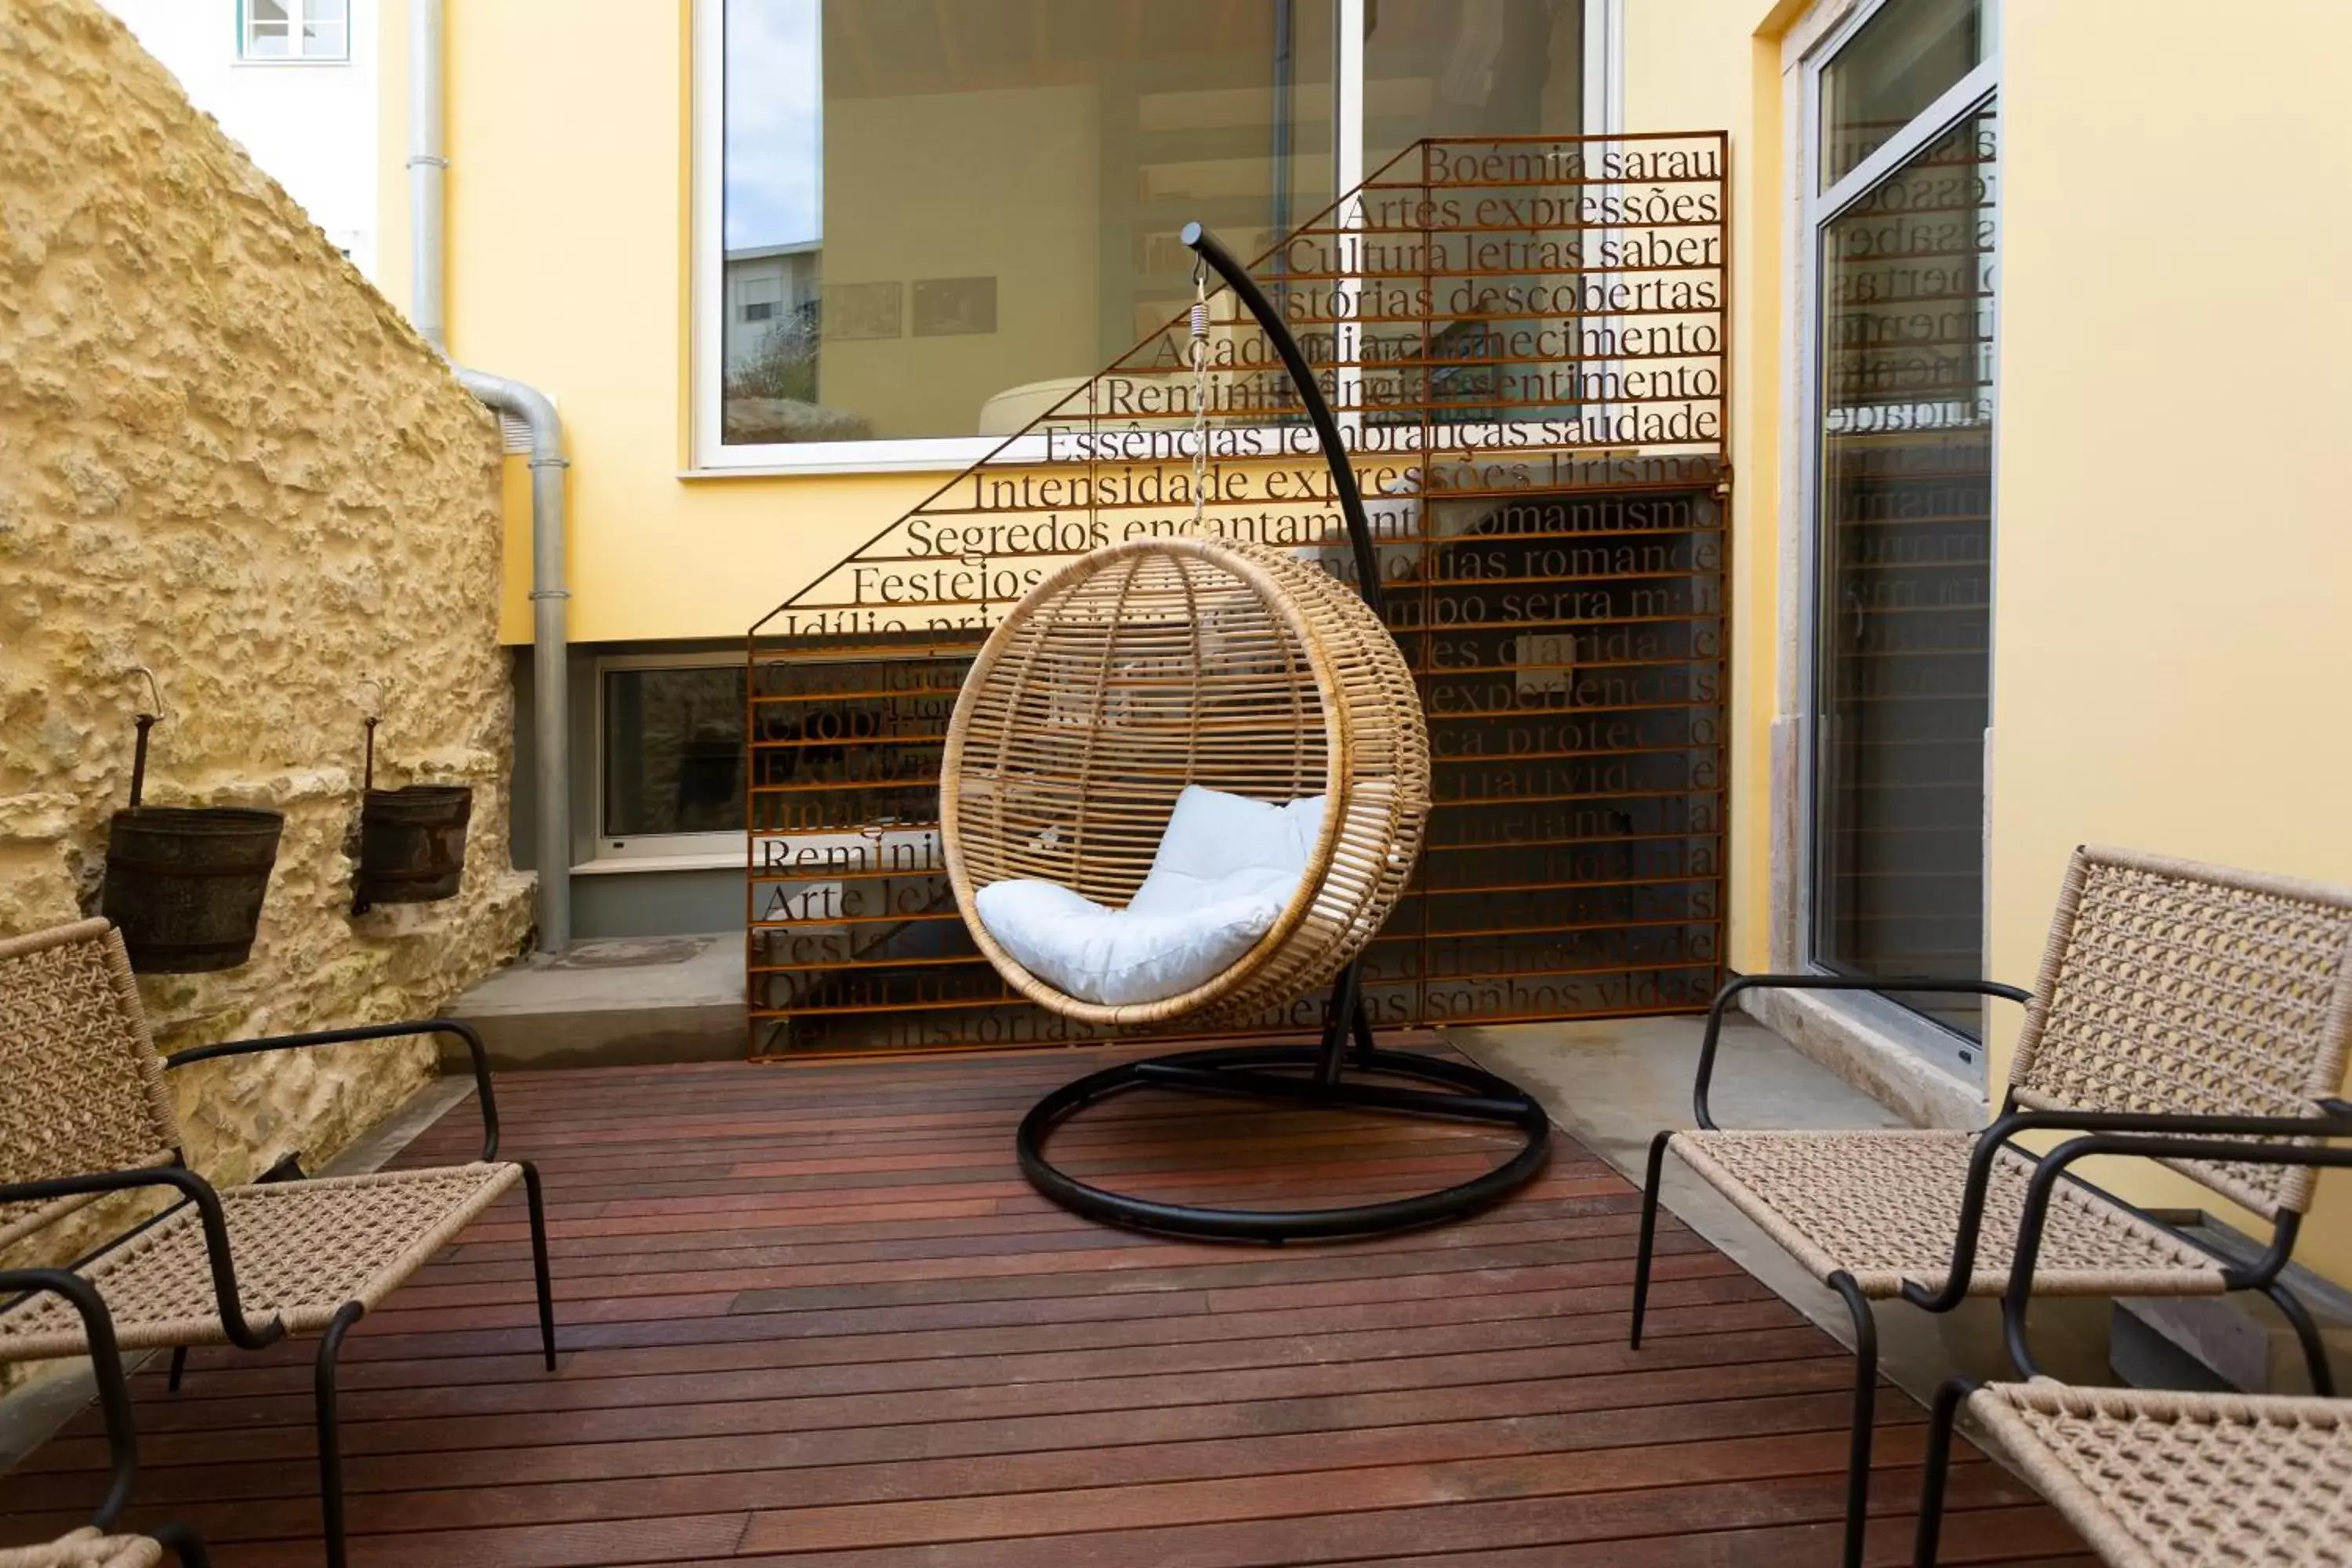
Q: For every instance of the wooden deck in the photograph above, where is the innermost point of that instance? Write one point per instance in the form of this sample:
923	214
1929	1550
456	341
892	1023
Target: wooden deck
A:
812	1315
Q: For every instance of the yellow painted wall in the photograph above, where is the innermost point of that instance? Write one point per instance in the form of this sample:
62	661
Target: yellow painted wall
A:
568	255
1699	65
2173	588
2173	601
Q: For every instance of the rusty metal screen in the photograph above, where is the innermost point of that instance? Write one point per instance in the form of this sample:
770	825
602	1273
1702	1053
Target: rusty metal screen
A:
1524	341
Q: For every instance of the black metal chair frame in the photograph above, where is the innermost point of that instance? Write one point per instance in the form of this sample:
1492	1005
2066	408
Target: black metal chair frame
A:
1458	1091
2017	1299
113	1400
194	1190
2261	1274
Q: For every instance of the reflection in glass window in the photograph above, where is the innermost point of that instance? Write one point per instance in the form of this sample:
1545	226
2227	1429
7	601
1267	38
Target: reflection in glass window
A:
673	751
1470	67
1462	68
940	218
1904	598
1901	61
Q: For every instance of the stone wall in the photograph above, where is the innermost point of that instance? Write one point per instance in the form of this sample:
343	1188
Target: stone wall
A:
224	456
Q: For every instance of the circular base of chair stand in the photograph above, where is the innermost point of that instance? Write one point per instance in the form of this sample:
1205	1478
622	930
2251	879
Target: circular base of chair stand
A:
1460	1092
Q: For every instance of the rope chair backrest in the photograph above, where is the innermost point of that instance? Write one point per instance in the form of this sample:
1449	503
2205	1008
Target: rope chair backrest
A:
81	1088
2178	988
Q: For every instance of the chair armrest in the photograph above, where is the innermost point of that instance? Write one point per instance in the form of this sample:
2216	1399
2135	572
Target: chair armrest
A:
2178	1125
1819	983
464	1032
106	1361
193	1188
2054	1165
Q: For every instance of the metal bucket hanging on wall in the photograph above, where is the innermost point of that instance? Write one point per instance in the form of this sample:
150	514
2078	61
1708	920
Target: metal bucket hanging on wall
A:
412	840
184	885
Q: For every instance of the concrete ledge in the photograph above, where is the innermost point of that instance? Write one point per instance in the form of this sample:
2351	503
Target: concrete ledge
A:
2236	1342
623	1001
1868	1058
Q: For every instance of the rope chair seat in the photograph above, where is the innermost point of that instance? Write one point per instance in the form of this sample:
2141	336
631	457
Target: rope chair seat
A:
1880	1205
1147	669
2155	1479
303	1250
86	1547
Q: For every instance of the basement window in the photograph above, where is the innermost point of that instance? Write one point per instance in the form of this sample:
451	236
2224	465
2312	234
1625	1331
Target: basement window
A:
669	755
287	30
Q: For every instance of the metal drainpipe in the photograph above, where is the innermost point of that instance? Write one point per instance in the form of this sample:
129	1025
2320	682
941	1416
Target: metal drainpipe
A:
427	168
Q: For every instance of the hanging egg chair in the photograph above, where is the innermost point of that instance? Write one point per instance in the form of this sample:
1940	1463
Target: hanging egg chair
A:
1111	740
1188	779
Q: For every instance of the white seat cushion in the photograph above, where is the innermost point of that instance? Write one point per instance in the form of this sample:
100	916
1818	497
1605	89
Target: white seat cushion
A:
1226	869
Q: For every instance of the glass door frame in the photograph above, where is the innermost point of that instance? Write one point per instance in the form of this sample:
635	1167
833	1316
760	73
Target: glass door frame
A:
1942	1047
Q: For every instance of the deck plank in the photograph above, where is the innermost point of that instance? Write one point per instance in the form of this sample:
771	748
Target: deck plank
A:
813	1316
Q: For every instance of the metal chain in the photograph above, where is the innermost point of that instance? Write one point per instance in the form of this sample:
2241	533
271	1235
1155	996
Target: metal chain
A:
1200	393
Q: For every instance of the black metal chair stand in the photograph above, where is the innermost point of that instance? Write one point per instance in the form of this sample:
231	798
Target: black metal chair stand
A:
1333	1078
1459	1091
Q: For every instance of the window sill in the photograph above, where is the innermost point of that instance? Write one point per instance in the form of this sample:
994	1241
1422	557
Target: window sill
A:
879	454
615	864
830	465
1867	1048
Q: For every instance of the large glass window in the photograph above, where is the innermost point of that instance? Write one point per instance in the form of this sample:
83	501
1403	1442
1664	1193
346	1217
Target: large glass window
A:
927	222
937	219
1900	61
1904	285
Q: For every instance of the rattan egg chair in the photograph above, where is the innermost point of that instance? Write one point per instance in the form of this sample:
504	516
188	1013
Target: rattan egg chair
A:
1145	667
1150	667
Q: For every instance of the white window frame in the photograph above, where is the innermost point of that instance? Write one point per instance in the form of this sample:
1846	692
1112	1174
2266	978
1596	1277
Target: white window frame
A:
301	15
1814	209
709	457
611	852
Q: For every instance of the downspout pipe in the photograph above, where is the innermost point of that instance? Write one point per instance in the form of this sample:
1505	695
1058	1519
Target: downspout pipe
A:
551	705
429	168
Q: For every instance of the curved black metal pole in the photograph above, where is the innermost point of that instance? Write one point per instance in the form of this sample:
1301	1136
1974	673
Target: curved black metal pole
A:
1209	250
106	1362
1212	253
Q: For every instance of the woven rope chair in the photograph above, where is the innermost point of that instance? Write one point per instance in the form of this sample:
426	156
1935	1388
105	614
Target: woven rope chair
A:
97	1544
86	1113
2172	996
1144	667
2151	1477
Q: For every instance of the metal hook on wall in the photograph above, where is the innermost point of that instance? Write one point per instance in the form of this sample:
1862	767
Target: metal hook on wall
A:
145	720
374	717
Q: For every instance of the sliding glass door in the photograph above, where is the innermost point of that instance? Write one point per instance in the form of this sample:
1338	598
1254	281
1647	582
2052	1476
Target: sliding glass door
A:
1903	236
